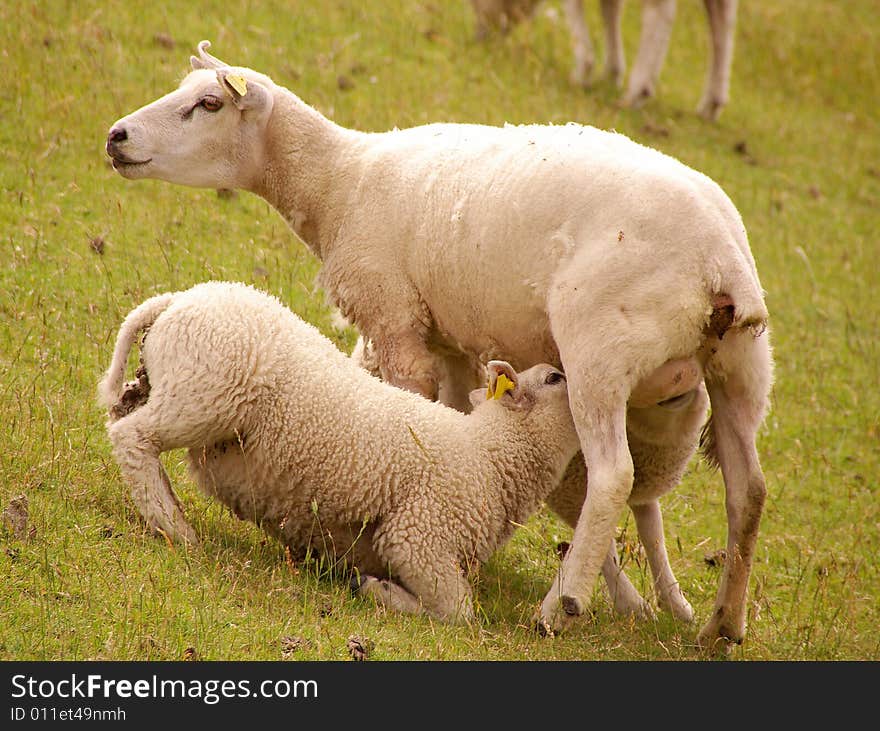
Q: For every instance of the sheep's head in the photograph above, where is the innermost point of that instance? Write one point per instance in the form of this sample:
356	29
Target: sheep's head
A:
208	133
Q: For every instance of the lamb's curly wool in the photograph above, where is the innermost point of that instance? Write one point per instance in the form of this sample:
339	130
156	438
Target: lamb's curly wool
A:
290	433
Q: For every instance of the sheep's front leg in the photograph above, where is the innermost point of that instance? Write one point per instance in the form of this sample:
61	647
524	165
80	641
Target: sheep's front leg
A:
722	23
567	501
405	361
610	467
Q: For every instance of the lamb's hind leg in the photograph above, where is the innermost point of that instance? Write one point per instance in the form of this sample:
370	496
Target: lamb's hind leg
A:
739	378
136	447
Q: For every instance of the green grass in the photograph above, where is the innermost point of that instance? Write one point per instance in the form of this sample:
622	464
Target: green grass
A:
90	583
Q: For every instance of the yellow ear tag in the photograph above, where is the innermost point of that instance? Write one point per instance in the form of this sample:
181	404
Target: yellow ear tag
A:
238	83
502	386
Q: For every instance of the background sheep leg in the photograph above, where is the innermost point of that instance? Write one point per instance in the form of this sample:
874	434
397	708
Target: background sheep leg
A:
615	63
649	522
722	23
582	46
136	449
657	19
738	380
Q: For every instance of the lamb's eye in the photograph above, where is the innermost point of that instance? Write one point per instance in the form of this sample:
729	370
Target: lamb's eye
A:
211	104
554	377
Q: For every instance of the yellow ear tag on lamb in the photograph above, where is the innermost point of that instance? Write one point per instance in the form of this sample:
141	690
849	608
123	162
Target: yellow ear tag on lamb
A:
238	83
502	386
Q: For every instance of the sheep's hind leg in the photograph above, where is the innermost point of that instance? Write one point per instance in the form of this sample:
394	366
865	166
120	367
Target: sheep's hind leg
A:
738	380
136	448
649	522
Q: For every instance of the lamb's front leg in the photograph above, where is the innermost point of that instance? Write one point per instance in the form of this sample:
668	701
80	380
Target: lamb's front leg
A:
447	596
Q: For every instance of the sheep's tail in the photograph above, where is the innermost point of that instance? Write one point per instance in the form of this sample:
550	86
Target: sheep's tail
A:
140	318
739	282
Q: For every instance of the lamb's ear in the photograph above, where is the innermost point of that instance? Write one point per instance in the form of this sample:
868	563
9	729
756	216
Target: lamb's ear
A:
205	60
502	378
247	95
477	396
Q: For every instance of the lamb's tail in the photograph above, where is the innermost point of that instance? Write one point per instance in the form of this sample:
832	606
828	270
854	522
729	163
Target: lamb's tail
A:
140	318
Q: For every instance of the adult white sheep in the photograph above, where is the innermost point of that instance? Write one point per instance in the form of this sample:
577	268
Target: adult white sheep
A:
450	243
657	20
290	433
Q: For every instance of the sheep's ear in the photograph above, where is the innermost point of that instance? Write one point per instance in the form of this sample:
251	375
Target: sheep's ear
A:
502	378
205	60
246	94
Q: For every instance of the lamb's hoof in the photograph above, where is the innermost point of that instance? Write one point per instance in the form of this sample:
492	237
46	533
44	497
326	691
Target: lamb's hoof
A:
357	581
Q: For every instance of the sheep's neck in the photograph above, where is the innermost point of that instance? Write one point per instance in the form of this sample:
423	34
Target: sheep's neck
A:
303	175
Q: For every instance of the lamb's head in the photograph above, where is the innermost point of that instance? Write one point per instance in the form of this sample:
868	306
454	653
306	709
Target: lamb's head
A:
537	399
208	133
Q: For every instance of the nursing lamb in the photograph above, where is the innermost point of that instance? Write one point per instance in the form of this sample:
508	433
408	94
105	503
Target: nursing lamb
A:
447	244
291	434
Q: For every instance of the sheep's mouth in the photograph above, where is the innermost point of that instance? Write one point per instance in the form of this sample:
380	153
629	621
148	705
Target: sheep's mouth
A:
122	161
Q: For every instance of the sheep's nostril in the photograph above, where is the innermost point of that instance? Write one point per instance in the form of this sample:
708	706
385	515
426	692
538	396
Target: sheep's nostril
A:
117	134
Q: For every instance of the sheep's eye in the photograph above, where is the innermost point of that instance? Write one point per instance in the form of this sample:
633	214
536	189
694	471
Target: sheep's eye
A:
211	104
554	377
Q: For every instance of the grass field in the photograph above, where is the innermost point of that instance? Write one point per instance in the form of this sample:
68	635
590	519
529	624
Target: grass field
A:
797	150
